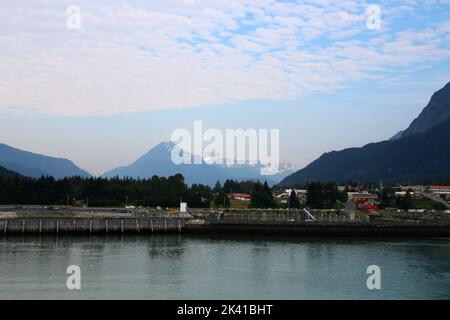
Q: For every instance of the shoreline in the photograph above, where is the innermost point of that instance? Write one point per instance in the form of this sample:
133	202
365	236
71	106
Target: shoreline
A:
36	220
155	225
325	229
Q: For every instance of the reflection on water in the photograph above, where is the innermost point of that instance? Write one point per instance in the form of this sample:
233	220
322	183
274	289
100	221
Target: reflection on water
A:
187	267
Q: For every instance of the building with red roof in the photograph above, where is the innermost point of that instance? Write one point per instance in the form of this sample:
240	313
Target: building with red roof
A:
239	196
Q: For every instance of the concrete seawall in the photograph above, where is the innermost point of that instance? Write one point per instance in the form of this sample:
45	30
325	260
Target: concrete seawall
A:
323	229
90	226
199	226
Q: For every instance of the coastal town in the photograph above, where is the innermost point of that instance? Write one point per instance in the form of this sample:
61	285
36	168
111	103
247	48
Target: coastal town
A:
422	209
420	198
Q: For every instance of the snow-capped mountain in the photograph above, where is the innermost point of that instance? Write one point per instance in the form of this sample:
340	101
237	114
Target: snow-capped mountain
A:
158	161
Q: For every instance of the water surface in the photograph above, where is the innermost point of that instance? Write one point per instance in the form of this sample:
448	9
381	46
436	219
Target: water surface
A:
187	267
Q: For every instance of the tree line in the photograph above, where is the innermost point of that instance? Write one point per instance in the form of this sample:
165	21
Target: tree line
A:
153	192
96	192
118	192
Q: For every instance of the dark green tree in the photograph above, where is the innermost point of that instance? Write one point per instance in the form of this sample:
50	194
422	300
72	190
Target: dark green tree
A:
293	201
315	195
261	197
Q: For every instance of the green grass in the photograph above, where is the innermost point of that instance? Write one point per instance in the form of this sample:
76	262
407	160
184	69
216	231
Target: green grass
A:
239	204
427	204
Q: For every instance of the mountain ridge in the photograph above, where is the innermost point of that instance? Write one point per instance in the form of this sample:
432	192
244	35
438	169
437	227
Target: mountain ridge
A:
5	173
416	156
36	165
436	111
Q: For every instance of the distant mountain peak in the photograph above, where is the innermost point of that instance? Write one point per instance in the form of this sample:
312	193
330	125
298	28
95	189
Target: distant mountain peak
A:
169	145
162	150
437	111
158	161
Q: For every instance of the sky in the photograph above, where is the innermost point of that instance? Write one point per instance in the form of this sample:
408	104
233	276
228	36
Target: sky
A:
101	82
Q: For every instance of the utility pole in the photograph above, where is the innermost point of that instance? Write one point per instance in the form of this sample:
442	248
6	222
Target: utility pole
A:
126	201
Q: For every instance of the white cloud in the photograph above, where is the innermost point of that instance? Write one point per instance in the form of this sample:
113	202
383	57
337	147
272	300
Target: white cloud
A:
187	53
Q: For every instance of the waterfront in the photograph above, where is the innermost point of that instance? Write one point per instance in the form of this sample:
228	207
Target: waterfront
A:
198	267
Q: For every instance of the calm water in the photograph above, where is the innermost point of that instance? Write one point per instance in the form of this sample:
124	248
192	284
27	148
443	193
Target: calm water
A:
184	267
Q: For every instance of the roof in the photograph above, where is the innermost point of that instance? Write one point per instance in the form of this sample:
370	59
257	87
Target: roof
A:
239	195
365	195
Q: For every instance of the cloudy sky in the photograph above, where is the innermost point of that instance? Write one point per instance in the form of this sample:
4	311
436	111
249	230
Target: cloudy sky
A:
323	72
